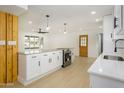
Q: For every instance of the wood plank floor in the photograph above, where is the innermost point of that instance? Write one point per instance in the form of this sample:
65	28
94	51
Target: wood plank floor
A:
73	76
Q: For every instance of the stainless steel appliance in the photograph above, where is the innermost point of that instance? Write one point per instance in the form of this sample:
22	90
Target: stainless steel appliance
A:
67	57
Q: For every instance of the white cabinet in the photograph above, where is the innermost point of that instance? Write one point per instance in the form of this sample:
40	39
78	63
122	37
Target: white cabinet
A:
108	44
35	65
44	63
59	58
118	14
117	19
32	66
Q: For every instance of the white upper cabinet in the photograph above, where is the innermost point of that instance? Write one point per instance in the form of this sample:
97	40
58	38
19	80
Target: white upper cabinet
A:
108	44
118	22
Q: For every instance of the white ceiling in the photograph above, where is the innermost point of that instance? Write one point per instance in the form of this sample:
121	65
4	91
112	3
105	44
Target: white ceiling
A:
78	17
14	9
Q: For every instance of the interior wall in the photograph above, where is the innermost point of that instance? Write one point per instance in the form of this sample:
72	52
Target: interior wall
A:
26	29
56	38
71	40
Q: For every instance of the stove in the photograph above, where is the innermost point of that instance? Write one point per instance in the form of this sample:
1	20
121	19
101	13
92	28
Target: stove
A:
66	57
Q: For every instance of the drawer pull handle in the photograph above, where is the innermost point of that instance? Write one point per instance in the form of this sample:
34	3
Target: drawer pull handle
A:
39	63
33	56
45	55
50	60
58	57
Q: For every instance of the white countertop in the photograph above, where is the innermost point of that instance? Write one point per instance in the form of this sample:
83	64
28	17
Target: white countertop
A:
108	68
37	51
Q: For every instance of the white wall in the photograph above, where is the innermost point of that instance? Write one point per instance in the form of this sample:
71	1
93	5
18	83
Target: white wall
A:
56	39
71	40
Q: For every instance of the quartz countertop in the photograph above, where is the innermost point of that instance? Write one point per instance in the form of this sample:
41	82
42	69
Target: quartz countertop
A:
29	52
108	68
37	51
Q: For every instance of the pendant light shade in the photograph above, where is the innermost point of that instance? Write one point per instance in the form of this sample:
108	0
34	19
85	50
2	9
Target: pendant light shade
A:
65	31
47	27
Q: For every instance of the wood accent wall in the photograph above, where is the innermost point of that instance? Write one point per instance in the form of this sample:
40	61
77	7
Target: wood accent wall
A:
15	48
8	53
2	48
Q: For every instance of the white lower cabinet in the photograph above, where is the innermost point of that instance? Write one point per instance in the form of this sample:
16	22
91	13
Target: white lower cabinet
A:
36	65
33	66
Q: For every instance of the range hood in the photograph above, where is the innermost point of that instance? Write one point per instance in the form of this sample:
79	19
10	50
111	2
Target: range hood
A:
42	32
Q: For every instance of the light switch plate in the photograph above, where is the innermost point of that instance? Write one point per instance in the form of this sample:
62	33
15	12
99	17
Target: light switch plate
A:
13	43
2	42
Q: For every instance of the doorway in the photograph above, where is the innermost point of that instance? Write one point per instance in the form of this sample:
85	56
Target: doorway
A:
83	45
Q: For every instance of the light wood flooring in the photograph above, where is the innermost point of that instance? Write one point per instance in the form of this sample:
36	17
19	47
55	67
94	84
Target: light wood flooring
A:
73	76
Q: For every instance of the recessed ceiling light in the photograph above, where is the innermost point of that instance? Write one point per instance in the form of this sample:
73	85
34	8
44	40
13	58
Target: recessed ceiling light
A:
30	22
97	20
93	12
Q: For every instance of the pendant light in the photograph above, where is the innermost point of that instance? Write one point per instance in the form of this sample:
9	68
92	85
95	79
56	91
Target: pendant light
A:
47	27
65	28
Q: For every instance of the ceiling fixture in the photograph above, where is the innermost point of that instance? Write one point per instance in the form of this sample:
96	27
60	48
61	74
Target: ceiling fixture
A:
30	22
65	31
93	12
47	28
42	32
97	20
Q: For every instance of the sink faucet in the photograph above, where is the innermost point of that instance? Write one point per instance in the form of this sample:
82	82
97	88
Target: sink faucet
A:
116	44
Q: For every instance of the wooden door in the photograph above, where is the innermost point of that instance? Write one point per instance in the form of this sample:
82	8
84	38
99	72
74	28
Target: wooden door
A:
83	45
15	47
9	48
2	48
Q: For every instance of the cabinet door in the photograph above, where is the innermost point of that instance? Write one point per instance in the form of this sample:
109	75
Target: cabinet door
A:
44	63
59	58
33	66
2	47
55	61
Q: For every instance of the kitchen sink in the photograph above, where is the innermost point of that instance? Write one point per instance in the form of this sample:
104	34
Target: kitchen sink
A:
111	57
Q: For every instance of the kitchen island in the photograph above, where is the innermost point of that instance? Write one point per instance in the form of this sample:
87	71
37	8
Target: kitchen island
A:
106	73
